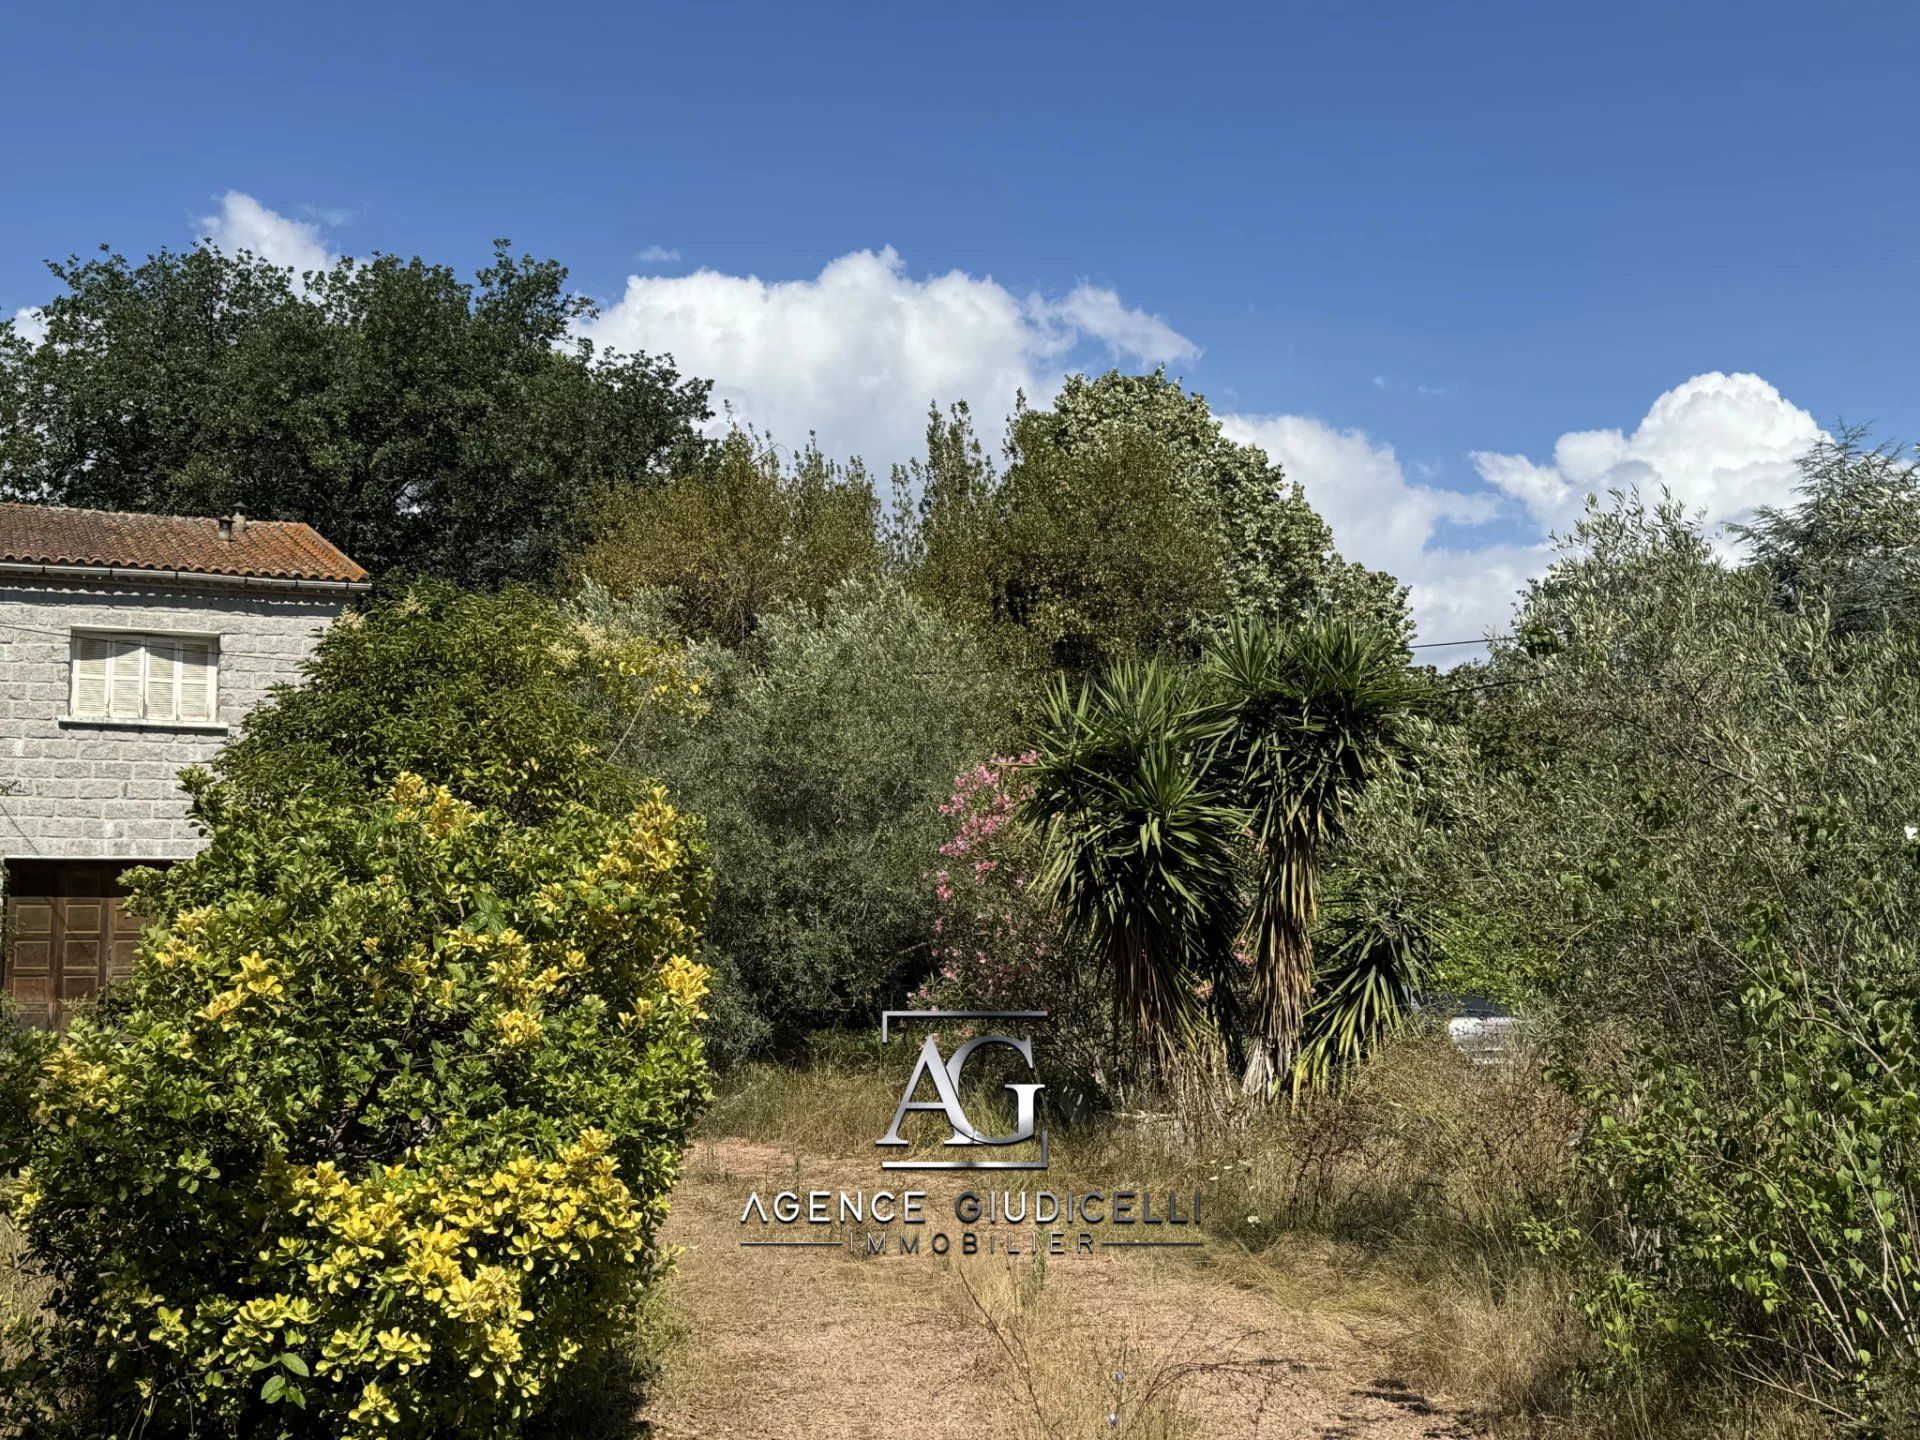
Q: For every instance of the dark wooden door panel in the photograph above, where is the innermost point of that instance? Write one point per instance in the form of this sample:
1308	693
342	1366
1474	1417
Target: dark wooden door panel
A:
83	925
69	932
29	958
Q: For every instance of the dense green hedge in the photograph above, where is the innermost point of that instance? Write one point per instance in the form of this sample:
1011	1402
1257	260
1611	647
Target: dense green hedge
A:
376	1138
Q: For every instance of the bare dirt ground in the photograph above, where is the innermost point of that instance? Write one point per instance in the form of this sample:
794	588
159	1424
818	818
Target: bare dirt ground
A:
779	1344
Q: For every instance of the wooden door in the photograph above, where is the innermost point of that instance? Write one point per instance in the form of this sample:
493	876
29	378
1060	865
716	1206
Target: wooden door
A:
68	933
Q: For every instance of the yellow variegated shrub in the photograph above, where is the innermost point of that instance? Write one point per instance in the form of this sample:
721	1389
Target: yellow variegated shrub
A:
376	1140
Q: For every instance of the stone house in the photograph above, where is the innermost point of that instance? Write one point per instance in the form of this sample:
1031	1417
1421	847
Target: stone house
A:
130	647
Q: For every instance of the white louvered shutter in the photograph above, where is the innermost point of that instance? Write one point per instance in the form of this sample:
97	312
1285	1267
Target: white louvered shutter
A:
90	654
126	664
163	670
196	664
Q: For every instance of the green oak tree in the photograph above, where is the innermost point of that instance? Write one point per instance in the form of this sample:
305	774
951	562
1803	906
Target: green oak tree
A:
426	424
1124	522
1277	555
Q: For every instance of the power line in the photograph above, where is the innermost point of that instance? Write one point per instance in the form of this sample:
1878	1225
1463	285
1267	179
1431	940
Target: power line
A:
1440	644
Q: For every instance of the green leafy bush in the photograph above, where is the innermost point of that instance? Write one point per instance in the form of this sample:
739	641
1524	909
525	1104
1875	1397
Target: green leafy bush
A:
21	1052
1766	1213
492	696
1097	553
738	535
376	1138
1639	759
820	766
1686	830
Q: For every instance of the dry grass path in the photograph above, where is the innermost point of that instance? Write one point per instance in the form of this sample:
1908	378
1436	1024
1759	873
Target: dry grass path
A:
785	1344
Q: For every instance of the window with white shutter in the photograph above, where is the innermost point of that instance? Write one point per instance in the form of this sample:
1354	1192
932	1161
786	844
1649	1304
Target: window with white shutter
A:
126	666
91	655
195	662
169	679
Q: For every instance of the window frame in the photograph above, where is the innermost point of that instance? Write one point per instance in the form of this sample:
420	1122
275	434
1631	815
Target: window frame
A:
144	641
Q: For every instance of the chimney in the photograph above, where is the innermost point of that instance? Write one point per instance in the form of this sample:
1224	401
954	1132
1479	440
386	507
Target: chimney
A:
232	527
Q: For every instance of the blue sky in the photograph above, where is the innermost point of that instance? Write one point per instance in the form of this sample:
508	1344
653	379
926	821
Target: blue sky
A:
1431	255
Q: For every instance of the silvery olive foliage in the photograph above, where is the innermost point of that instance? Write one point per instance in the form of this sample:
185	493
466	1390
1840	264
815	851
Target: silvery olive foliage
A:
820	754
1689	822
1652	745
1851	540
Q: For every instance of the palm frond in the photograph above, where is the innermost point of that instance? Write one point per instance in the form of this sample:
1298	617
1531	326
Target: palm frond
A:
1364	993
1310	714
1139	850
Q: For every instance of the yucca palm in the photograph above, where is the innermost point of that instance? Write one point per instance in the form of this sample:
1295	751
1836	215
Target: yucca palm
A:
1310	713
1141	854
1372	963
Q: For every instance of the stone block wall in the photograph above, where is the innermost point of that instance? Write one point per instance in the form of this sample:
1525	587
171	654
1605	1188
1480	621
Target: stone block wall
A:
107	791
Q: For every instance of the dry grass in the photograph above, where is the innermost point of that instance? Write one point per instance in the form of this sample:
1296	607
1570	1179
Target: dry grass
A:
1080	1382
1383	1222
1365	1274
777	1345
1425	1141
1069	1383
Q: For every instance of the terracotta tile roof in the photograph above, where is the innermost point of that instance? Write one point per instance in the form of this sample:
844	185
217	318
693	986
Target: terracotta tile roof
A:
276	549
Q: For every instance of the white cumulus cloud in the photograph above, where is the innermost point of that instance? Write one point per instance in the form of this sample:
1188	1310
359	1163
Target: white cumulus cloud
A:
1097	311
30	324
1382	519
858	352
243	223
1723	444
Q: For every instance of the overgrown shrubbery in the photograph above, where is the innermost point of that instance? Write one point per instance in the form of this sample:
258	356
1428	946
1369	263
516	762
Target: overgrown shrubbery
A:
998	945
22	1051
1684	824
1674	819
375	1139
820	764
1768	1212
490	695
848	681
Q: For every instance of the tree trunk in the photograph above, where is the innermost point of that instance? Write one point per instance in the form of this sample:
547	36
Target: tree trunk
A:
1282	967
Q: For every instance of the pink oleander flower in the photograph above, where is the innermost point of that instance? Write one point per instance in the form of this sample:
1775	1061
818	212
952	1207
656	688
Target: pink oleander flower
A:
993	943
